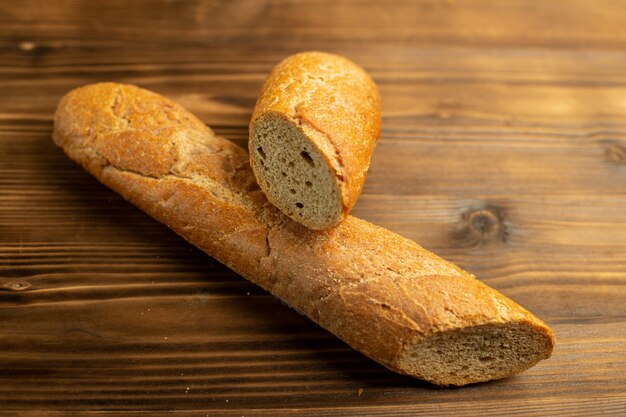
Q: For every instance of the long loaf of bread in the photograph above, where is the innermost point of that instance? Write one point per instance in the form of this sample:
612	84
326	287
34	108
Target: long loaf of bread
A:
384	295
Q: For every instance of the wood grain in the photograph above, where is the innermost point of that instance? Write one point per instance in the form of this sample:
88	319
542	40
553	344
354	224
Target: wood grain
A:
503	149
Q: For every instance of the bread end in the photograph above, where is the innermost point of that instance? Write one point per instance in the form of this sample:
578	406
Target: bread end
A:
477	354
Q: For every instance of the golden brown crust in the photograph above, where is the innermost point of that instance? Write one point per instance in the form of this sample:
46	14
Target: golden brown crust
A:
337	106
377	291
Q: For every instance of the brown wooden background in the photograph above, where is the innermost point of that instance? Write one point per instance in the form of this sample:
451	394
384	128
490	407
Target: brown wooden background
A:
503	149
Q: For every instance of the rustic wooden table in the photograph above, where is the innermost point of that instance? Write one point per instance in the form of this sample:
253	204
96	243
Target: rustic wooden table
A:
503	149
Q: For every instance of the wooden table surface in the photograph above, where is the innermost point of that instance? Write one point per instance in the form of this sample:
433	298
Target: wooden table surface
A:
503	149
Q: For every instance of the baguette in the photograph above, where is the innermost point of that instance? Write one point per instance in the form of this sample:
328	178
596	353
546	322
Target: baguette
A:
384	295
312	134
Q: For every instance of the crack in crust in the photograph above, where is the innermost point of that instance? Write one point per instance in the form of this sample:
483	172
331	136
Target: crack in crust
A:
115	107
301	120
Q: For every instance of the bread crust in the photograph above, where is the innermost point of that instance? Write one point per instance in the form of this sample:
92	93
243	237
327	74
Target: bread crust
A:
377	291
336	104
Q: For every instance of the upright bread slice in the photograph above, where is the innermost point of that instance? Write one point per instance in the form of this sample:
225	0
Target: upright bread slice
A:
312	134
382	294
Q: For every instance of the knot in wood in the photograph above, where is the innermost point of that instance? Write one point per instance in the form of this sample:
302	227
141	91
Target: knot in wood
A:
483	221
17	285
616	153
486	224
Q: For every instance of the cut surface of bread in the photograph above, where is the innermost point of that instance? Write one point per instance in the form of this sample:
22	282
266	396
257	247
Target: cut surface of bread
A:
382	294
295	172
479	353
312	134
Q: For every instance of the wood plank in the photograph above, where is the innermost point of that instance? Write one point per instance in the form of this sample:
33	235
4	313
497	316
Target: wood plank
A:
137	276
537	407
503	149
505	24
